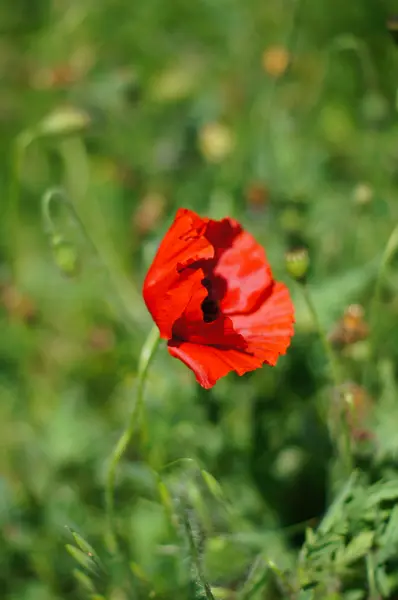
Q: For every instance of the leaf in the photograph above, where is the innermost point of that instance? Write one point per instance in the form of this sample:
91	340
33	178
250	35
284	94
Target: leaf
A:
325	549
256	579
83	559
220	593
213	485
332	296
383	491
83	545
84	581
86	548
306	595
355	595
165	499
334	514
356	549
383	582
388	541
390	536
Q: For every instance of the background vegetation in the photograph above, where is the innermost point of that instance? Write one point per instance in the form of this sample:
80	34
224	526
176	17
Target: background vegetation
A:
282	114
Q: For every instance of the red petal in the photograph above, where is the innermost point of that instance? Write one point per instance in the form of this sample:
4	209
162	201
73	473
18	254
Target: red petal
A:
168	285
269	329
244	268
191	326
210	363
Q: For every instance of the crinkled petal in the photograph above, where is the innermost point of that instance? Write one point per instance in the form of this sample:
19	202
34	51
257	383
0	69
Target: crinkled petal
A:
170	283
245	272
209	363
269	329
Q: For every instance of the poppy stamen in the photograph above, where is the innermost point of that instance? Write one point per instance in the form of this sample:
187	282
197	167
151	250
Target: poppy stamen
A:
209	306
210	310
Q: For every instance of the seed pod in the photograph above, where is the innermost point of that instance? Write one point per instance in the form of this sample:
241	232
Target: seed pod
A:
297	264
65	256
351	328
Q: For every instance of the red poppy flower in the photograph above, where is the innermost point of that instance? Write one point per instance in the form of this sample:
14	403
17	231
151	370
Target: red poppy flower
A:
211	292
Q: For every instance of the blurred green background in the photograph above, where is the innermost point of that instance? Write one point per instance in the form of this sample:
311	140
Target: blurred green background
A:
280	113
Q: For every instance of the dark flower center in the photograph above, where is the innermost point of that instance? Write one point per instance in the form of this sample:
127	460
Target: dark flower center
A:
210	310
209	306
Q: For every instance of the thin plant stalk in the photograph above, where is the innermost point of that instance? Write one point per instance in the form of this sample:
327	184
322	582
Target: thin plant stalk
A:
291	47
21	143
147	353
370	575
345	43
49	224
340	432
195	555
58	193
389	251
333	366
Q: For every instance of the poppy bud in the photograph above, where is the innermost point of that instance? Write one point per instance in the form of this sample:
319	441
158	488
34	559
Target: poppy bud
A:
363	194
175	83
65	256
392	26
216	142
297	264
66	120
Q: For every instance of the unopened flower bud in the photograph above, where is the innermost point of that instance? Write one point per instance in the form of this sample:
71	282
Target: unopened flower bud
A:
392	26
216	142
297	264
63	121
65	256
363	194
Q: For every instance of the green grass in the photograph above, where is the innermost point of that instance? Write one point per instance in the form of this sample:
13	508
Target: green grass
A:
132	110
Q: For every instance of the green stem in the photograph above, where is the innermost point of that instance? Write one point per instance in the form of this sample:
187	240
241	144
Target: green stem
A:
340	429
147	353
18	150
59	193
389	251
341	44
256	579
195	556
370	573
291	46
126	297
333	366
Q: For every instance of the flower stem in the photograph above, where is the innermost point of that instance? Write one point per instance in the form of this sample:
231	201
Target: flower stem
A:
49	224
147	353
389	251
340	429
195	555
20	145
333	366
125	296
